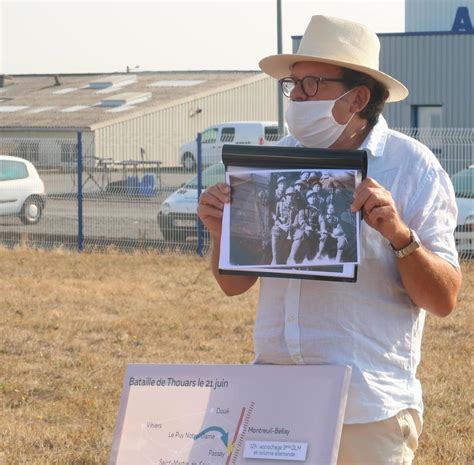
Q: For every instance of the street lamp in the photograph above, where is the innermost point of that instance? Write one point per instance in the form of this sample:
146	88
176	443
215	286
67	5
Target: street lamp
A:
279	51
131	69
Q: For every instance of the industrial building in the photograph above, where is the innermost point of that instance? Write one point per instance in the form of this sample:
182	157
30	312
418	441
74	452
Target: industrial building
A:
147	115
434	59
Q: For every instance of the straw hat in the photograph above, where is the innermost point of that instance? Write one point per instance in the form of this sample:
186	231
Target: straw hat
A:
337	42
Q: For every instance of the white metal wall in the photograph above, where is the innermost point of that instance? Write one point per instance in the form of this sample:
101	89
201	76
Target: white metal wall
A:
162	132
49	144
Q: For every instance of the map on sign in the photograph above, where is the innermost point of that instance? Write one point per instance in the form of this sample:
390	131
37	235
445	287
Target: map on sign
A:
229	415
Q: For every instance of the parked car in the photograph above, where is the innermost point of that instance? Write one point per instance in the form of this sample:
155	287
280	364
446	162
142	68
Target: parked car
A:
463	183
177	214
22	191
214	137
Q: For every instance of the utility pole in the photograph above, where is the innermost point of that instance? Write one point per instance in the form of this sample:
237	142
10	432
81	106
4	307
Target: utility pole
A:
279	51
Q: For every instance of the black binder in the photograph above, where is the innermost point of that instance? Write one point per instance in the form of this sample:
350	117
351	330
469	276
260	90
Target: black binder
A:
265	159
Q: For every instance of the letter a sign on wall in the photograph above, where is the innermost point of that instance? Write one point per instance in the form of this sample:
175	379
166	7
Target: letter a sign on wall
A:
462	21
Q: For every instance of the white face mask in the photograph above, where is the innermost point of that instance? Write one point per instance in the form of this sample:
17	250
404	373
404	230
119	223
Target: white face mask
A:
313	123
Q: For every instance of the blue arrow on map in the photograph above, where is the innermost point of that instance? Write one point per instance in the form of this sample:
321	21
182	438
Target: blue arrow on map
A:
224	434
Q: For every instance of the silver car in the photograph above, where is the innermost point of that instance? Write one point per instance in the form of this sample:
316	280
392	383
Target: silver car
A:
177	214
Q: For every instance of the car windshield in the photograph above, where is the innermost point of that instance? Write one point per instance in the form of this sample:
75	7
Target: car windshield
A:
463	183
210	176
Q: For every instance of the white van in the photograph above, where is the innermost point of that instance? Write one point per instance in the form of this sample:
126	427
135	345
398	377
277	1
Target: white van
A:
235	132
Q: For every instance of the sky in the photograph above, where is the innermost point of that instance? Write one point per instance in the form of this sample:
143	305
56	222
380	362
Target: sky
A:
38	37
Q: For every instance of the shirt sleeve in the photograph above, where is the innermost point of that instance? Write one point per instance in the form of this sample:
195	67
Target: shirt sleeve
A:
288	141
432	213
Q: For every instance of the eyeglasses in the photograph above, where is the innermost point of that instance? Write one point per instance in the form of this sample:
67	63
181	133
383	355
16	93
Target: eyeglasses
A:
309	84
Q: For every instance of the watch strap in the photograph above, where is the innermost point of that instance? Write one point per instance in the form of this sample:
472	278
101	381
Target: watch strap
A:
410	248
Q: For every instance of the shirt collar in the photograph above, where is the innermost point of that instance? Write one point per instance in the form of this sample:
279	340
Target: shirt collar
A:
375	141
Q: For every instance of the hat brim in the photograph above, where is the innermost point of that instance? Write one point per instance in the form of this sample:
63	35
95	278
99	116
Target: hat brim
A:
279	66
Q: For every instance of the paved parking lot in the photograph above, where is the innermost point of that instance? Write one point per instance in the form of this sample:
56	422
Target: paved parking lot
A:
108	218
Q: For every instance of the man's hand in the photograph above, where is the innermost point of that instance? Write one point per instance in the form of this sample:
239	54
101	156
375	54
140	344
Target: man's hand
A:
431	282
210	210
211	206
381	213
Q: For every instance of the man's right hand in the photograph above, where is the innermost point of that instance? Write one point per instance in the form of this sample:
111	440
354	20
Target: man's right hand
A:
211	206
210	209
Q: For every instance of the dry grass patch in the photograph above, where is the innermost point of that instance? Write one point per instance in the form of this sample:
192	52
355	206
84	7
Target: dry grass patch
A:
70	323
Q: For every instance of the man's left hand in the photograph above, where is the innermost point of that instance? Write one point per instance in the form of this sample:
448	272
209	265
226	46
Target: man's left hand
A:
380	212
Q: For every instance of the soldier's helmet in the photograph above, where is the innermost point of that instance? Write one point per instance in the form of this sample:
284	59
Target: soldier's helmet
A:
281	179
305	175
290	191
300	182
310	194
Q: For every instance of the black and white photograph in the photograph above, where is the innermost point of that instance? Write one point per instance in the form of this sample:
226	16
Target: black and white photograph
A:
292	218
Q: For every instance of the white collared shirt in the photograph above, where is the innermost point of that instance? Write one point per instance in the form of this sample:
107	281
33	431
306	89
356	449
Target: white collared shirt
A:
371	325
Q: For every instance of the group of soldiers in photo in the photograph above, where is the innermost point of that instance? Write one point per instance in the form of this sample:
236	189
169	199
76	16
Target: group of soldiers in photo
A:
311	220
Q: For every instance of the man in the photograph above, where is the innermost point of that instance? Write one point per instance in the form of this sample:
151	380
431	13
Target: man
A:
408	259
300	191
313	214
319	199
342	200
305	175
329	193
280	189
265	217
333	240
282	231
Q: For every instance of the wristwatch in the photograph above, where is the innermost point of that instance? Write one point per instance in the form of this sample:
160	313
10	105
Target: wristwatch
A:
410	248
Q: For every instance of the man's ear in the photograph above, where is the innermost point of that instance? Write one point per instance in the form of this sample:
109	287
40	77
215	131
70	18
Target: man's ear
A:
361	99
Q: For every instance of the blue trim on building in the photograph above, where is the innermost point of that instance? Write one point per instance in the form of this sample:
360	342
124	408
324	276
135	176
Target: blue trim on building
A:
424	33
410	34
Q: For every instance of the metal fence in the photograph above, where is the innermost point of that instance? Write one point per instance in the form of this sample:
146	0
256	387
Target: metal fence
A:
95	202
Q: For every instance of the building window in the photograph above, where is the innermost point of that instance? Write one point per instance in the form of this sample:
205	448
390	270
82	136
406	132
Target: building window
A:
68	152
227	134
28	150
209	136
427	116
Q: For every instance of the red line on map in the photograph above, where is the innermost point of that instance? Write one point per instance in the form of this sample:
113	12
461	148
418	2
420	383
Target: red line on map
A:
236	434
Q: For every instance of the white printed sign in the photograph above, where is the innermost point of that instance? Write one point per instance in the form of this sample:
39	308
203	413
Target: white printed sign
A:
269	450
230	415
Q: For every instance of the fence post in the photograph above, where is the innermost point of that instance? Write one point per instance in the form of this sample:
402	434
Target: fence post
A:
200	227
80	225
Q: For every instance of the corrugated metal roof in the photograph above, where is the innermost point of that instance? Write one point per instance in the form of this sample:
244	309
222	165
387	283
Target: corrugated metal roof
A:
126	98
38	92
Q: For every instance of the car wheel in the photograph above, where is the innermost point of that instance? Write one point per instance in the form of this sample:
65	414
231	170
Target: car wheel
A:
189	163
31	211
169	232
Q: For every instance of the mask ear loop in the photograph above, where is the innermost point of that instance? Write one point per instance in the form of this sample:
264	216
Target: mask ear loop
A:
345	93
